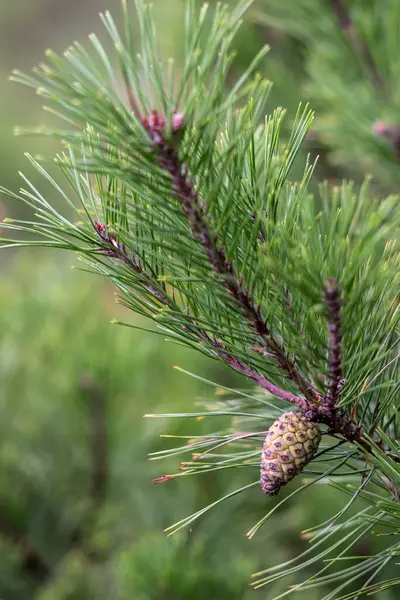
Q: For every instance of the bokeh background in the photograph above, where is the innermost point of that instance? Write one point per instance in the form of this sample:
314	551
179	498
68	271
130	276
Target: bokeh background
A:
79	516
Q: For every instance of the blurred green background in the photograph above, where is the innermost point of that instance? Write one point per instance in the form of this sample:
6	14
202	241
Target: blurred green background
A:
79	516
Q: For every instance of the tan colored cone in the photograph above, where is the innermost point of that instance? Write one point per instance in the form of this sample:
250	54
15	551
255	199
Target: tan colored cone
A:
291	442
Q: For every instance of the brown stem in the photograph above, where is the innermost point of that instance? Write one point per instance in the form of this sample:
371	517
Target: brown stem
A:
359	46
276	391
338	422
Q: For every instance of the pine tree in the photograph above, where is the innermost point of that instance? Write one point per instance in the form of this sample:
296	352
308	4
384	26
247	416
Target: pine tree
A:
182	198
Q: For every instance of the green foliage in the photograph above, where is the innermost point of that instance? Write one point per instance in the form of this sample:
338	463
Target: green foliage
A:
350	52
55	351
188	570
182	199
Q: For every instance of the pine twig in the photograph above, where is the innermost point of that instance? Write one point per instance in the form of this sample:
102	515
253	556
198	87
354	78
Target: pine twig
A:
116	249
332	298
200	225
113	248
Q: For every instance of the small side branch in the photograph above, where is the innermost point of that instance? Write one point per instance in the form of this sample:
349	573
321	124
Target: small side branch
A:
115	249
333	301
360	48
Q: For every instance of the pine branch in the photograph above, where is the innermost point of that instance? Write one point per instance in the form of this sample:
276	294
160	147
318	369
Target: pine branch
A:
360	48
334	303
200	224
241	173
175	217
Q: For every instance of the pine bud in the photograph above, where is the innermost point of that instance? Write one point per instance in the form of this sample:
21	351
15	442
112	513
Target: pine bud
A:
291	442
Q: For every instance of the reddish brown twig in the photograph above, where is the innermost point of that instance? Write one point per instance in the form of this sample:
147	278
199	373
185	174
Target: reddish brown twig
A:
334	303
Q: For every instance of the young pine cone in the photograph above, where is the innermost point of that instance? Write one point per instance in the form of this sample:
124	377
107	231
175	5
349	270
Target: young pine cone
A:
290	444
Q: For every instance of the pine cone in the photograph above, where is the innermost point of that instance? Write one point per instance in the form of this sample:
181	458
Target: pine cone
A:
290	444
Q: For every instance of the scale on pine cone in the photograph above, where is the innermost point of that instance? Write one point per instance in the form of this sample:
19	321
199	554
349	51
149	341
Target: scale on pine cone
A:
290	444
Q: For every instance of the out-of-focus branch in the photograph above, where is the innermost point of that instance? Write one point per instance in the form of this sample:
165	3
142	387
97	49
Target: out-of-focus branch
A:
32	563
95	401
391	132
359	46
99	446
